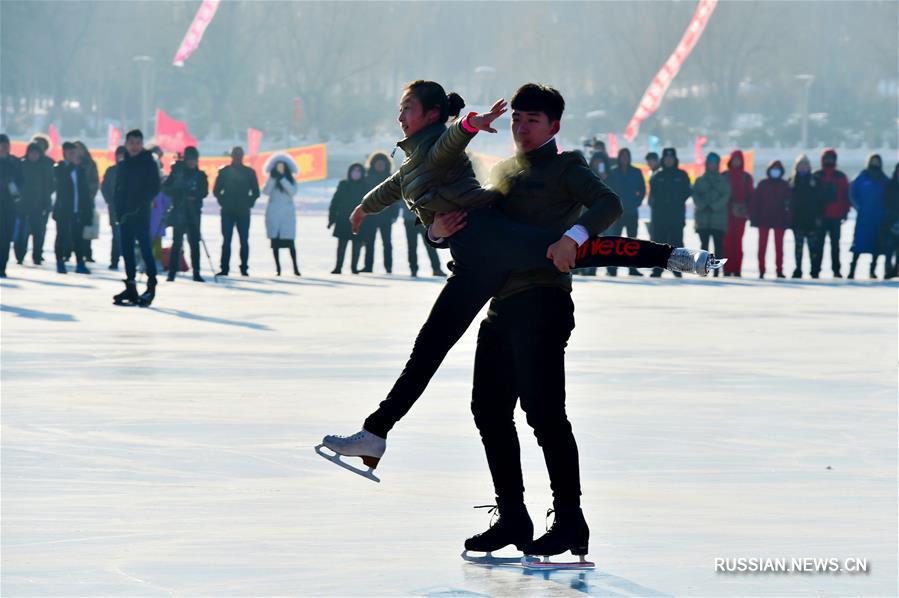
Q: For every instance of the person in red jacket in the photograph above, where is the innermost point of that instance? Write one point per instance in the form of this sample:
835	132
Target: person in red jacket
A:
740	193
769	209
834	187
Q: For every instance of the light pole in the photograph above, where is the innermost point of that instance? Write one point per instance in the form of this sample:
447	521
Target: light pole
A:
144	64
806	83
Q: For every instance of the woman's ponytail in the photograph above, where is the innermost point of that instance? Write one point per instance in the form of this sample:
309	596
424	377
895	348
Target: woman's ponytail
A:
454	104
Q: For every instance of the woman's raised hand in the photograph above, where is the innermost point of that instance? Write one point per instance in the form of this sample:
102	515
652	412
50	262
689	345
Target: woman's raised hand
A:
483	122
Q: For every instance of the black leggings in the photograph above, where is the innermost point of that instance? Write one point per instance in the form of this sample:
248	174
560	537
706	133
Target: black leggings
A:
485	252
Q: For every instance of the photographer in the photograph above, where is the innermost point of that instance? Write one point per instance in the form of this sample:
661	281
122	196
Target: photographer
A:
188	186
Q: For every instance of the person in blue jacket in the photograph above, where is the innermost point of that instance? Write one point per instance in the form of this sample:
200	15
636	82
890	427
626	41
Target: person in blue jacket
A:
867	196
627	181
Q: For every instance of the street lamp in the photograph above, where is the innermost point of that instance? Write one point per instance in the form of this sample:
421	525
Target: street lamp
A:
806	82
144	64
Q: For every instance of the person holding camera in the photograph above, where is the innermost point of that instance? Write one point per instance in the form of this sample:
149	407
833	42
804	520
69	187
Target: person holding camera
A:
188	186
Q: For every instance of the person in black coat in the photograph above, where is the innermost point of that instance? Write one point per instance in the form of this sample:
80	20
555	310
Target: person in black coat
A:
807	209
188	186
74	209
107	189
236	190
38	185
669	191
137	183
10	183
890	228
347	196
379	167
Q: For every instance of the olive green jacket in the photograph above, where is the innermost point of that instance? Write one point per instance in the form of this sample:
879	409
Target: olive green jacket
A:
711	193
435	157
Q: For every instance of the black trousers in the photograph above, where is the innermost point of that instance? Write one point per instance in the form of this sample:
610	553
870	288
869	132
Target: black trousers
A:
115	251
413	233
800	240
662	231
341	252
69	233
7	228
829	227
135	228
384	229
485	252
521	355
229	223
190	226
31	224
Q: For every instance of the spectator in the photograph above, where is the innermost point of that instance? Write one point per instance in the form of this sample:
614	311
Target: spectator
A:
10	184
379	167
740	193
890	231
38	185
711	193
89	168
280	213
107	188
835	189
769	210
236	189
652	161
669	191
347	196
807	210
628	183
74	209
188	186
137	183
867	195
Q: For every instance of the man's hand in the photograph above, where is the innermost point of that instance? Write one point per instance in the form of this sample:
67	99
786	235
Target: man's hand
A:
447	224
356	218
563	253
483	122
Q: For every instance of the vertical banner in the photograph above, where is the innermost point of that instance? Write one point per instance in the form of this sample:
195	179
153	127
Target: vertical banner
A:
254	140
55	150
113	138
652	98
171	134
612	150
195	32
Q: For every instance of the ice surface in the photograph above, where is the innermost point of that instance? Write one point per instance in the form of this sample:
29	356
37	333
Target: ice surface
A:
168	451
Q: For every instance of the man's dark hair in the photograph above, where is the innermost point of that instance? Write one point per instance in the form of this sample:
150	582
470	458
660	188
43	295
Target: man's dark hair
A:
68	145
533	97
191	152
134	133
4	138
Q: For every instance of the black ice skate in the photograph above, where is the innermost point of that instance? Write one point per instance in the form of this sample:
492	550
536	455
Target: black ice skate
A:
513	527
146	298
569	531
362	444
129	296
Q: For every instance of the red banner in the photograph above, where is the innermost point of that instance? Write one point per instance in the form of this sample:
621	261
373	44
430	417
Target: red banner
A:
171	134
254	140
113	138
194	34
55	150
652	98
697	149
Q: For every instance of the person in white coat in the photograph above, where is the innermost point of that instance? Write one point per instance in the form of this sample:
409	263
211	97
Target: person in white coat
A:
280	213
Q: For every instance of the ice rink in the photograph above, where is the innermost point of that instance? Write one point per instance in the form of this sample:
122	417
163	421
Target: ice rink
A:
168	451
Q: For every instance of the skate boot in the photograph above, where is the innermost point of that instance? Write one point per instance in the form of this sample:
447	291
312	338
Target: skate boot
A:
512	527
693	261
129	296
146	298
362	444
569	531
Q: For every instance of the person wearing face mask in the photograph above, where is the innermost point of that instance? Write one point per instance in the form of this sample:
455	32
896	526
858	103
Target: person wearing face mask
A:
867	196
807	210
711	192
890	228
834	186
769	209
347	196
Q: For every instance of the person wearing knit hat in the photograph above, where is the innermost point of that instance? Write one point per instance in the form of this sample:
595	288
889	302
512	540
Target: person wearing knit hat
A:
835	187
669	191
711	192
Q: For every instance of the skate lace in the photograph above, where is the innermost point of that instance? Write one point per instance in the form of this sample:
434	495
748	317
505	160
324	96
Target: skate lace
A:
493	512
548	513
355	436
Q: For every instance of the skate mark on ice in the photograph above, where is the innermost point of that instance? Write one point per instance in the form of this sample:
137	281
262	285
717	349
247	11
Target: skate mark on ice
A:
34	314
211	319
59	284
444	591
311	281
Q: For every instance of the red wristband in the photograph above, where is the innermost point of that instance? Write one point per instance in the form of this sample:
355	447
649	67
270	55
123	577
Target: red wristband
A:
466	126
